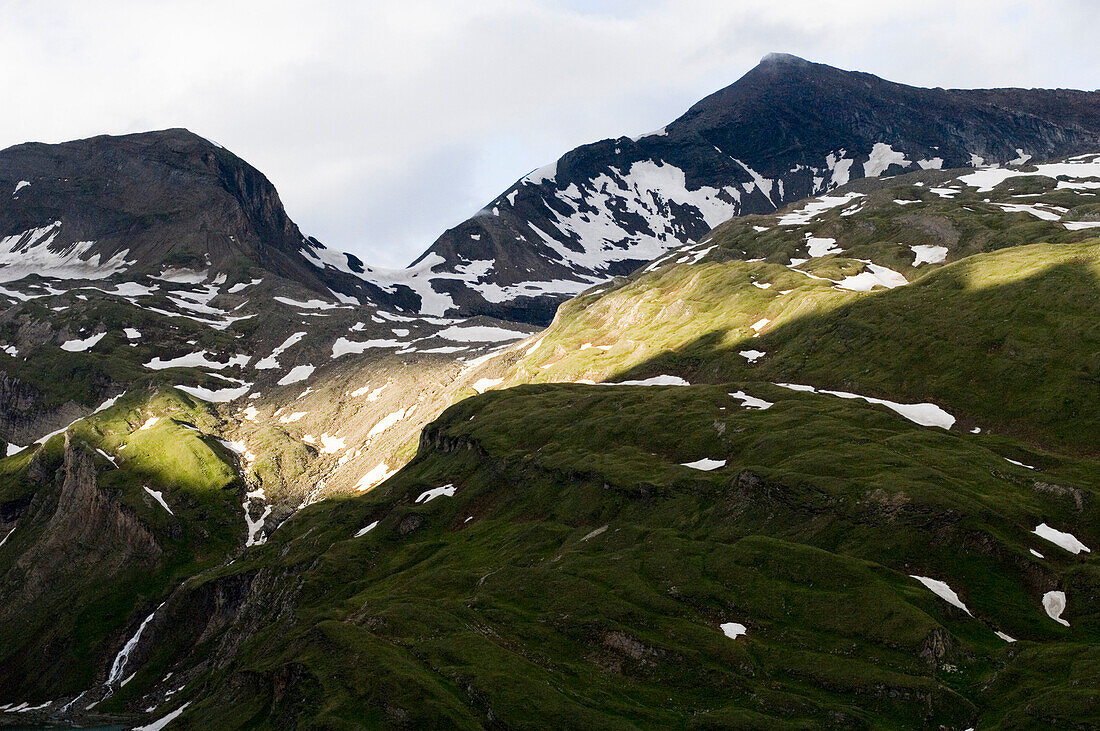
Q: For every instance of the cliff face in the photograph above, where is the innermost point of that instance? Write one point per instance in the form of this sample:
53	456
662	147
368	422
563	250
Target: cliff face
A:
74	539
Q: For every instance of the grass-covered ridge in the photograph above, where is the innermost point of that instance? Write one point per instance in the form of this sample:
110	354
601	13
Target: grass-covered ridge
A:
1007	340
581	579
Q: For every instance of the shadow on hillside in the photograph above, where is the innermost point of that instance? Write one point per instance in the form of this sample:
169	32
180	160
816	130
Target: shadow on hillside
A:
1020	356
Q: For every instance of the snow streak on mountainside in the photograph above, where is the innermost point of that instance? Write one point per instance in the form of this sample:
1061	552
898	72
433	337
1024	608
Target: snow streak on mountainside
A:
787	130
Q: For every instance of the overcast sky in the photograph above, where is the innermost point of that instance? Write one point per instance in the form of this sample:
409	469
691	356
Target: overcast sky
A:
384	123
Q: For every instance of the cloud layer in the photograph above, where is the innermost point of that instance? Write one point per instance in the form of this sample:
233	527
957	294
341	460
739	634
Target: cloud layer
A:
383	123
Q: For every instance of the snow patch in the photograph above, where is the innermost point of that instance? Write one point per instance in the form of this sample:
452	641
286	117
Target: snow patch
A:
220	396
365	529
1059	538
733	630
661	380
79	346
484	384
943	591
429	495
379	474
751	402
705	464
928	254
159	497
925	414
872	276
296	374
882	157
1054	602
815	207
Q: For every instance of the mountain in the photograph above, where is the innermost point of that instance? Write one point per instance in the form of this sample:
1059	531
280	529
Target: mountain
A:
143	203
830	465
847	478
786	130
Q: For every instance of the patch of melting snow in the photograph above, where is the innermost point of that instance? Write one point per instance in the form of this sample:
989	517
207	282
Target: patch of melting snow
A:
365	530
29	252
733	630
705	464
182	276
196	360
310	304
429	495
661	380
752	355
331	444
79	346
882	157
1018	464
813	208
925	414
1054	602
240	286
296	374
149	423
272	361
986	180
256	536
343	346
1036	553
161	723
246	455
821	246
159	497
1035	210
479	334
752	402
1003	636
378	475
872	276
484	384
943	591
220	396
928	254
291	418
387	421
1080	225
1068	541
760	324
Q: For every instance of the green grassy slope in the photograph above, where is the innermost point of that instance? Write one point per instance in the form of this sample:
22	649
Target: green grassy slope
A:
1006	340
93	549
588	585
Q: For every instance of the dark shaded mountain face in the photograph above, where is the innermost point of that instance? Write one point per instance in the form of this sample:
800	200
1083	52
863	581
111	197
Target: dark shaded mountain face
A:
141	204
786	130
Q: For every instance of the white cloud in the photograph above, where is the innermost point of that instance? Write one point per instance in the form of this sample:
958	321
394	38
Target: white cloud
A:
384	123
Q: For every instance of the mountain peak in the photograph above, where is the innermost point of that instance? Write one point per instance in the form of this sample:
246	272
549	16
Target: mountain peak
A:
776	58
